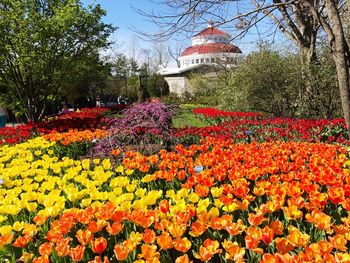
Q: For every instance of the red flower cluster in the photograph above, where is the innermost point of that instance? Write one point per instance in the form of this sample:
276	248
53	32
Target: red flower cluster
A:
215	113
13	135
86	118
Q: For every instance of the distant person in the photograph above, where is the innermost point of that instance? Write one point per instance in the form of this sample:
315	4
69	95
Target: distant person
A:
3	117
65	110
98	102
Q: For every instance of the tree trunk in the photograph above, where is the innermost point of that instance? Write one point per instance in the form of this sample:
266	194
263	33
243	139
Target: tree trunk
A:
341	58
308	58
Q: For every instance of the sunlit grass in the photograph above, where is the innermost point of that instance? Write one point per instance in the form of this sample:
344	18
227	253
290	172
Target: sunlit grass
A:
185	117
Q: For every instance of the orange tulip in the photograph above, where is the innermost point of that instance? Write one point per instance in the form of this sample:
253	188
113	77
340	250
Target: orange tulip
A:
99	245
202	190
339	242
7	239
121	252
207	250
45	249
182	244
320	220
253	237
84	236
54	235
233	251
183	259
164	206
77	253
197	229
149	252
149	236
297	238
41	259
95	226
114	229
256	219
22	241
267	235
62	247
177	230
98	259
29	230
269	258
292	212
283	245
336	194
40	219
165	241
277	227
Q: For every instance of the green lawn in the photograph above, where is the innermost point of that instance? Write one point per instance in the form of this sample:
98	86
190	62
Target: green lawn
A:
185	118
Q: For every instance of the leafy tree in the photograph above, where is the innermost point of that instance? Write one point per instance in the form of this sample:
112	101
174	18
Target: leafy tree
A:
267	81
264	82
157	86
41	43
88	78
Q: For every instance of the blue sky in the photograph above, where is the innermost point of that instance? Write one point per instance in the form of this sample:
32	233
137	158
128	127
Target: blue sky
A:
120	13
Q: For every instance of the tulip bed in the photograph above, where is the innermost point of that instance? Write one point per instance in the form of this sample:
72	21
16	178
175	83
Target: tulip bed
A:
214	201
262	128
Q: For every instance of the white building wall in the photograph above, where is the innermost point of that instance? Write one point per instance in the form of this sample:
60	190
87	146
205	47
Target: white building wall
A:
210	58
178	85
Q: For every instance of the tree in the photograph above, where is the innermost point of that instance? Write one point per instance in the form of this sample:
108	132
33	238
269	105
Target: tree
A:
41	42
185	15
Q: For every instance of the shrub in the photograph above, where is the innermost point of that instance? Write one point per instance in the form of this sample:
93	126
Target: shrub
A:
142	125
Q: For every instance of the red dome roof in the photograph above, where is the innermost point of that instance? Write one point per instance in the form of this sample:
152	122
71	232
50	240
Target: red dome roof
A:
211	48
211	31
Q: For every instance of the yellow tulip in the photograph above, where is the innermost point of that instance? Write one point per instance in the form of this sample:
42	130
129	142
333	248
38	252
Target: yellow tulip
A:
5	230
18	226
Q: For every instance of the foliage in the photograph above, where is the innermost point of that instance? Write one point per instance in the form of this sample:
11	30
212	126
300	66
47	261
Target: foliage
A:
141	126
269	82
325	101
42	43
133	86
157	86
265	81
87	78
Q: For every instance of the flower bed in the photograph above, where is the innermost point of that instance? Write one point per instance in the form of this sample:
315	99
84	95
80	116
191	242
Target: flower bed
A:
265	128
216	201
86	118
13	135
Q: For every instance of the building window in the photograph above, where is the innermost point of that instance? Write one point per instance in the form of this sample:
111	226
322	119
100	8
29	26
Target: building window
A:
202	60
207	60
212	60
192	61
197	61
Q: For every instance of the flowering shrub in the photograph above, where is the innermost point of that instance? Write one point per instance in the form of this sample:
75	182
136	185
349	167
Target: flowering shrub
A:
141	126
267	202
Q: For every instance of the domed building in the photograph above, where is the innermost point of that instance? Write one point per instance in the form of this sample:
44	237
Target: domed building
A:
210	50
